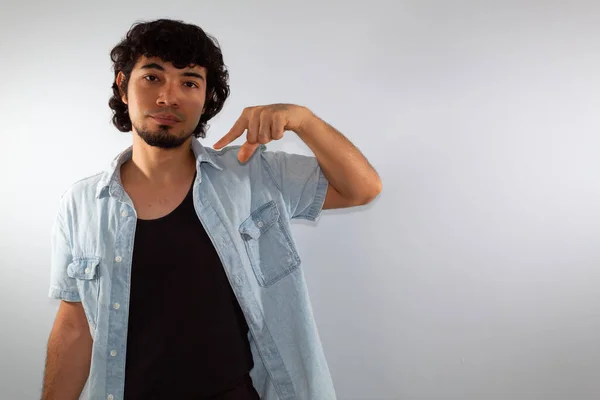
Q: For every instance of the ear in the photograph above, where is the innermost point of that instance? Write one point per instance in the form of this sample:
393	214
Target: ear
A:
119	81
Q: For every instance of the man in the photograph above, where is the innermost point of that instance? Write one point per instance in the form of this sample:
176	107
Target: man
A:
177	272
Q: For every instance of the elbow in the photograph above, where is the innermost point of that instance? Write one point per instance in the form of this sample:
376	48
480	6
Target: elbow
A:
371	193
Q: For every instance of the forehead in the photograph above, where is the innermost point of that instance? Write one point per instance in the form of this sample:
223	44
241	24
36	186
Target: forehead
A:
144	63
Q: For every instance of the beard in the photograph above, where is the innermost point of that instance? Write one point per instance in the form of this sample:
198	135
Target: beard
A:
162	137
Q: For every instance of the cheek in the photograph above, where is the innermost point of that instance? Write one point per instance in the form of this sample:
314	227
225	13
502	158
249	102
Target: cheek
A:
135	104
196	113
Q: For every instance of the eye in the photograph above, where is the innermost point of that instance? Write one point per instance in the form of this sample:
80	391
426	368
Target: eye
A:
193	84
151	78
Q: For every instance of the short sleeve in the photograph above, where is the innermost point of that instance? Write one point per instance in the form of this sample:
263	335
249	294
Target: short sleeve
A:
300	180
62	286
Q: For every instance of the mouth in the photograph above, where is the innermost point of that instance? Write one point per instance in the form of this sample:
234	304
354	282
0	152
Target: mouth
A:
165	119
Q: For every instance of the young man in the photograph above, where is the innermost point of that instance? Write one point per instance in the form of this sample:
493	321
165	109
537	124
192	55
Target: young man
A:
177	271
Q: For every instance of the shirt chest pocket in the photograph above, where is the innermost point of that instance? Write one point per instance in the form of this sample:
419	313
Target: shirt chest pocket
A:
85	272
269	245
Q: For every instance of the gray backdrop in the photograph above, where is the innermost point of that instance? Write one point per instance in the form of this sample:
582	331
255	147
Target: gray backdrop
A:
475	273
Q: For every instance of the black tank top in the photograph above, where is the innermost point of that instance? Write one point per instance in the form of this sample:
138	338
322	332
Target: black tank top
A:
187	337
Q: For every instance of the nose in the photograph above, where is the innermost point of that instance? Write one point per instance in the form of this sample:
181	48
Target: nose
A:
168	96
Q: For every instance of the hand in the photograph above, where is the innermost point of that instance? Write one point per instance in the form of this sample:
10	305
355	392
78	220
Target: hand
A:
264	124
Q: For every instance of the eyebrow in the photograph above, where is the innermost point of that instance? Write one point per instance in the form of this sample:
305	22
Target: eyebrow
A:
161	68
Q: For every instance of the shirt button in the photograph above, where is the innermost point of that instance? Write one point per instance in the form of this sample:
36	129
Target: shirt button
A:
113	353
111	397
260	224
118	259
87	270
116	306
124	213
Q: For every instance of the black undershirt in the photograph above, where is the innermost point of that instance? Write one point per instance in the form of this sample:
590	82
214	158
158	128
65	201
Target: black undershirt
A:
187	337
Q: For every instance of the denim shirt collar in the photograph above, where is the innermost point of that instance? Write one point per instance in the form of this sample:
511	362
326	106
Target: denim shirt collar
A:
110	181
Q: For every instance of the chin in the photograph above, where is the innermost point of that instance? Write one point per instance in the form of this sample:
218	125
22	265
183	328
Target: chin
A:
163	137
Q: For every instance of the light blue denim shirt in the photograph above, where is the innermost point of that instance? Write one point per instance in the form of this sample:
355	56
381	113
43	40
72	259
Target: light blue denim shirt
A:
246	210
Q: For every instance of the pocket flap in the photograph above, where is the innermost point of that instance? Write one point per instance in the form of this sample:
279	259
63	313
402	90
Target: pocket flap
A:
84	268
260	220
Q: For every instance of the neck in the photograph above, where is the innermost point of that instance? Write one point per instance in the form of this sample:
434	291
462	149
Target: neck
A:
159	167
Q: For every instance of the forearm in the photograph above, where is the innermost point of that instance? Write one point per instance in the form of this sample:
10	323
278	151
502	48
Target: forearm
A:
67	364
344	166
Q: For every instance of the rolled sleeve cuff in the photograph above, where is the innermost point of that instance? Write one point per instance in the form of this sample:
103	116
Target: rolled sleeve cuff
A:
314	211
55	293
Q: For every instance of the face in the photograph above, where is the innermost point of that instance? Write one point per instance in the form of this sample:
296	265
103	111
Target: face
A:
164	103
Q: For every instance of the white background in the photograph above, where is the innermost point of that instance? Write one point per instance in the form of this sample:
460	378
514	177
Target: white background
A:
475	273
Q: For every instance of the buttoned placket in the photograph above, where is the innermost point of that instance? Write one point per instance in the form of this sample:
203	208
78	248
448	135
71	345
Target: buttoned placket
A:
119	296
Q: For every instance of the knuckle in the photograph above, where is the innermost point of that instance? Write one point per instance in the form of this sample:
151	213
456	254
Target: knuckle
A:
263	139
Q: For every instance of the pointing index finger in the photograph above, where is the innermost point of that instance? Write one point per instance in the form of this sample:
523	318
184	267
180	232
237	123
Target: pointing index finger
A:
235	132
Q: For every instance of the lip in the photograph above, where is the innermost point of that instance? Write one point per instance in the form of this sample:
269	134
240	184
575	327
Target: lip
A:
166	119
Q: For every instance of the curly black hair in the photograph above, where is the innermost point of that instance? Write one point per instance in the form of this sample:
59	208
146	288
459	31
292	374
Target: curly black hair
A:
181	44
